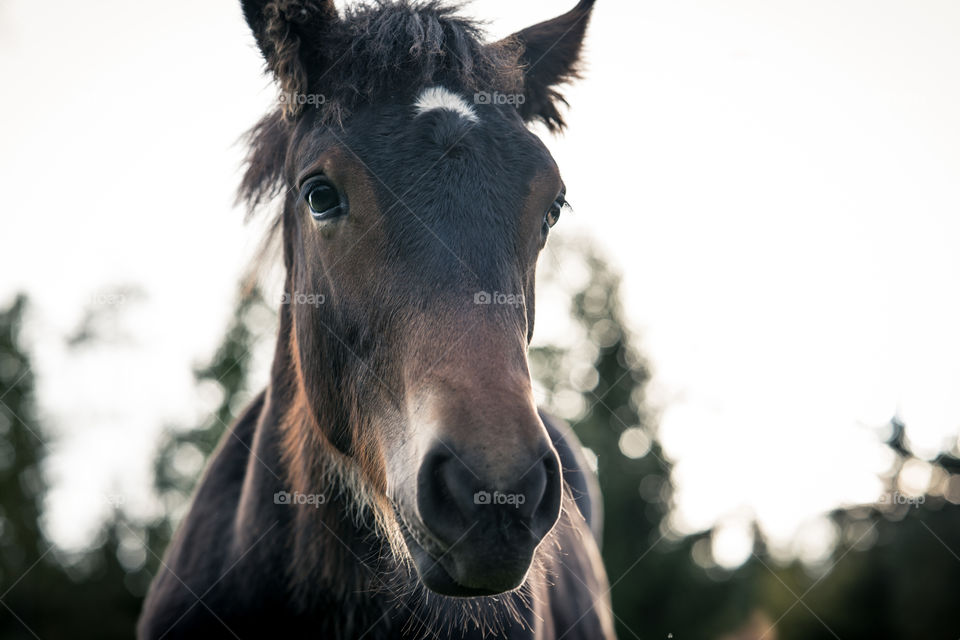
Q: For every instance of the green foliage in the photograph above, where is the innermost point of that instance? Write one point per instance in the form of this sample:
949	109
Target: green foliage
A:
648	568
21	451
43	593
183	452
893	574
96	593
890	577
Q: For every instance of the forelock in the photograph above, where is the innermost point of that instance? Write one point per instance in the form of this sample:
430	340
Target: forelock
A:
382	50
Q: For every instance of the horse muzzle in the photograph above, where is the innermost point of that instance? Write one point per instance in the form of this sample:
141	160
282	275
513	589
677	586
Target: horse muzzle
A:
478	529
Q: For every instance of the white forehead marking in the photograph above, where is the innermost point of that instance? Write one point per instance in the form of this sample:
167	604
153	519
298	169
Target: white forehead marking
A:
440	98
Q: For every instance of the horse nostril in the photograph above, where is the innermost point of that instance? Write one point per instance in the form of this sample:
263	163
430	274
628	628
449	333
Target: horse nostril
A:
440	501
547	509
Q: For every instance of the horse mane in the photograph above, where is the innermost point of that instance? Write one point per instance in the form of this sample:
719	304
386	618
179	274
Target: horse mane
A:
376	51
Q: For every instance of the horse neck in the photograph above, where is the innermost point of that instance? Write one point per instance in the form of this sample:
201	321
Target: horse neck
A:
334	545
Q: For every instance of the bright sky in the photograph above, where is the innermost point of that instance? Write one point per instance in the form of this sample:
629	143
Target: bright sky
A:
778	182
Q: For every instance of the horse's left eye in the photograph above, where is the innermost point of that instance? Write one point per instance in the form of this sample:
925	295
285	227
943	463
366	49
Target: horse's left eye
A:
553	213
323	199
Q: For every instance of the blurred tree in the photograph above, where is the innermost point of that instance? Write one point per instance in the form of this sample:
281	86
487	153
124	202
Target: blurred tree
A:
21	480
44	594
893	569
655	585
183	452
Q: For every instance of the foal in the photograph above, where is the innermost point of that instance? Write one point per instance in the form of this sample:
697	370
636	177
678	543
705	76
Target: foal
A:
395	478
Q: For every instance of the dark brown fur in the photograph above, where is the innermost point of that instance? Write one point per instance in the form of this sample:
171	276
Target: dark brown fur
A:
399	342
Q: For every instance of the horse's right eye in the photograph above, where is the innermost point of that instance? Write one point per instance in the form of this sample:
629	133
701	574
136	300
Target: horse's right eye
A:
323	199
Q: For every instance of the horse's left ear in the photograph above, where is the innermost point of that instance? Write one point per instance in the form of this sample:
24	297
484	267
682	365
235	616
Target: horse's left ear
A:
551	51
279	27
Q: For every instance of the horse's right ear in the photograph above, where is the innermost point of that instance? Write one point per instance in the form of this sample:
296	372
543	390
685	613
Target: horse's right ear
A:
280	27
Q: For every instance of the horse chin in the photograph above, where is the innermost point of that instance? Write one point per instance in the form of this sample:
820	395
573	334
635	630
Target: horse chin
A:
439	571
